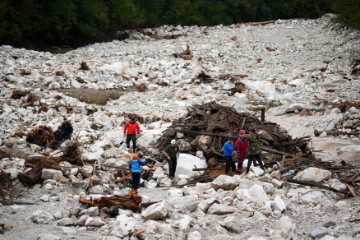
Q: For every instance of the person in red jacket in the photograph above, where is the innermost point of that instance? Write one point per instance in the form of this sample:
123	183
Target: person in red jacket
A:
241	144
131	129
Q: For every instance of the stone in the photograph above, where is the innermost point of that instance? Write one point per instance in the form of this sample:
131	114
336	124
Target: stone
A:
65	222
41	217
48	237
94	222
156	211
313	174
224	182
51	174
319	232
278	204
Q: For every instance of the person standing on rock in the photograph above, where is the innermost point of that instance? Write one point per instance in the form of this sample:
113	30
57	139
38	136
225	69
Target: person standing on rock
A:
254	150
135	167
172	153
131	130
228	149
241	144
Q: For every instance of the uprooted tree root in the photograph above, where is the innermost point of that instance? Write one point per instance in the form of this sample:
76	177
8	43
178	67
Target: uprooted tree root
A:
71	154
128	201
7	192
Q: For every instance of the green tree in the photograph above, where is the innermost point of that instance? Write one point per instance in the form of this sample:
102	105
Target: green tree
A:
92	18
348	12
151	13
124	14
56	20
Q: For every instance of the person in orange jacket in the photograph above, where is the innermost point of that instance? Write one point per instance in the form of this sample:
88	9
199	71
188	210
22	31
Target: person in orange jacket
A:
241	144
131	130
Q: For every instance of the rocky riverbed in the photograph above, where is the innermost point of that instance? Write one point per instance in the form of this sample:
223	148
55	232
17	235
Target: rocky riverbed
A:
303	72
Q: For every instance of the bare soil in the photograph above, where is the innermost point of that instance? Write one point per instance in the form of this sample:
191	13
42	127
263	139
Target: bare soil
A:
94	96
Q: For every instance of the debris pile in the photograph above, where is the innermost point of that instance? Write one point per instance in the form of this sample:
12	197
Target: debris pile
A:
40	135
44	136
207	126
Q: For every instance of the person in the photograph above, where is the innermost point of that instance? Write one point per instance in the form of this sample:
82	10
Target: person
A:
171	153
62	134
135	168
131	129
254	150
228	150
67	129
241	144
64	131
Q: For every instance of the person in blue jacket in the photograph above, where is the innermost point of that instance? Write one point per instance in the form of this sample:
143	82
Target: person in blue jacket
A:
135	168
228	150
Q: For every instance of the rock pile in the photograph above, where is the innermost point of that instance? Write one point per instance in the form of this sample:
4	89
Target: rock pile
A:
295	69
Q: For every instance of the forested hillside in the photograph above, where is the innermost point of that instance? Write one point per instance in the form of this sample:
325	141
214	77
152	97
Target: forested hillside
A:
34	23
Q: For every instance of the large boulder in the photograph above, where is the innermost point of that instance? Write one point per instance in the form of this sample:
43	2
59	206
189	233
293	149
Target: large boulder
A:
187	162
313	174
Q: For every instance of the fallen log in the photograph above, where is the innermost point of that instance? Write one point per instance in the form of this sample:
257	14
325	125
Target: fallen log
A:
260	23
228	75
129	201
313	184
37	164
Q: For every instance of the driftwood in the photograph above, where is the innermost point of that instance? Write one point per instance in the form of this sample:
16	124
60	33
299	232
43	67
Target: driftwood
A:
129	201
72	154
186	54
233	75
219	122
37	164
40	135
313	184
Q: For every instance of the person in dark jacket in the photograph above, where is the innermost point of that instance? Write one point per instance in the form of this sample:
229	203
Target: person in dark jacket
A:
228	149
131	130
135	167
254	150
63	132
172	153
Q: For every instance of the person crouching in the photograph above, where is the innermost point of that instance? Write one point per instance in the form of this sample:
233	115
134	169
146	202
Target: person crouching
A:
135	168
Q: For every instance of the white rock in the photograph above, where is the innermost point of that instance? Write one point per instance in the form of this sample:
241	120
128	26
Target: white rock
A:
278	204
313	174
94	222
194	235
48	237
87	170
225	182
51	174
45	198
41	217
65	222
186	163
156	211
188	203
